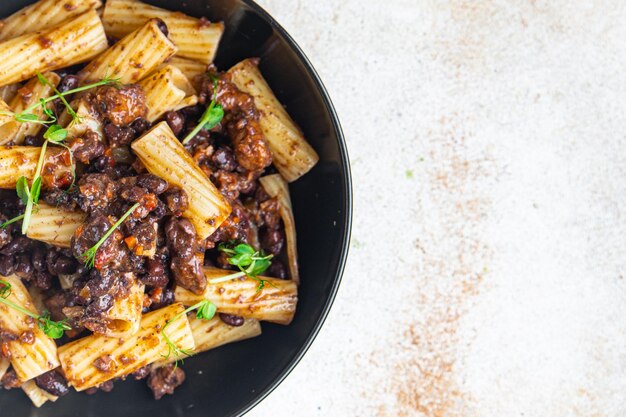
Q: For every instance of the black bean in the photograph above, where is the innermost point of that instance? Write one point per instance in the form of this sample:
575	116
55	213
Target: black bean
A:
162	27
231	319
175	121
140	125
43	280
118	136
31	140
52	382
102	163
69	82
273	241
277	270
224	158
23	267
6	265
65	265
152	183
19	244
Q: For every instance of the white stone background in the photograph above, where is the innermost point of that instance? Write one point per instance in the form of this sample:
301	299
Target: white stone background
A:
488	147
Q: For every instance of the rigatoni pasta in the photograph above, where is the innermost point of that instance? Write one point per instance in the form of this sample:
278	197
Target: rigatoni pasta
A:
14	132
55	225
211	334
69	43
193	70
165	90
95	359
134	56
293	156
18	161
276	302
42	15
196	39
32	353
163	155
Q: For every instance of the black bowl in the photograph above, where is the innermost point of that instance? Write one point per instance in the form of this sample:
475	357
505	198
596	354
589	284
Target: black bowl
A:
232	379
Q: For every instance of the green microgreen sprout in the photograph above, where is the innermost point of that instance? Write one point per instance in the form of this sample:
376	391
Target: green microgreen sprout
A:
51	328
251	263
211	117
89	257
205	311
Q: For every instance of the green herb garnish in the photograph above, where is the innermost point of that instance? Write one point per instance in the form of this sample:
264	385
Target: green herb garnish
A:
51	328
90	255
251	263
205	311
210	118
27	116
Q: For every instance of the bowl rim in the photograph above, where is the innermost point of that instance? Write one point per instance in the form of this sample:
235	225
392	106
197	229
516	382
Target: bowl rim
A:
347	210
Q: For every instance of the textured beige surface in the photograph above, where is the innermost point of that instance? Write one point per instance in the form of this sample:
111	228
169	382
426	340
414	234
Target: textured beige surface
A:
488	146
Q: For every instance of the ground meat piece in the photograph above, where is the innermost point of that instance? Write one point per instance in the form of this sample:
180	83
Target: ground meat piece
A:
242	123
105	363
121	106
143	239
17	245
270	213
112	253
231	184
166	298
27	337
96	191
6	265
52	382
237	227
5	233
152	183
43	280
155	274
165	379
118	136
142	372
55	303
60	198
224	158
7	336
87	147
273	241
10	380
176	201
232	320
185	265
175	120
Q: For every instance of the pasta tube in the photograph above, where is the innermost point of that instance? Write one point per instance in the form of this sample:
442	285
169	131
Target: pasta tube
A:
276	187
276	302
123	319
36	394
165	90
4	119
133	57
54	225
73	42
191	69
14	132
164	156
42	15
292	154
18	161
210	334
95	359
195	38
29	360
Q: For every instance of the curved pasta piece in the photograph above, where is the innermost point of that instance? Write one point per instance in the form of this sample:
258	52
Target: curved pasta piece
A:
165	90
29	360
275	186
